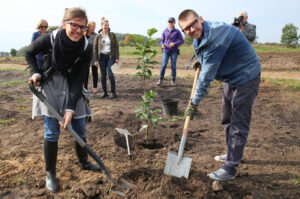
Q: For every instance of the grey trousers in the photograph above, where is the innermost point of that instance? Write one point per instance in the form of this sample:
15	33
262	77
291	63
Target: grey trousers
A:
236	117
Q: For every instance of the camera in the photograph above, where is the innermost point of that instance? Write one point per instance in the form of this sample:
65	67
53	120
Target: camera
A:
238	21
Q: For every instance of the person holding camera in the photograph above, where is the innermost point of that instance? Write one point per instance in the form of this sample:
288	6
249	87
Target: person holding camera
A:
171	38
225	55
248	29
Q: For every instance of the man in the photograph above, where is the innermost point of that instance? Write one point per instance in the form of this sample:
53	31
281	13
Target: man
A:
171	38
248	29
227	56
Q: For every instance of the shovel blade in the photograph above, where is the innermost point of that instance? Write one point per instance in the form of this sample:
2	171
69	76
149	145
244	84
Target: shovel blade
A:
182	169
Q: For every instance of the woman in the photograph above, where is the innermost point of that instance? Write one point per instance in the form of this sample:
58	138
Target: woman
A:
106	53
90	35
67	59
42	27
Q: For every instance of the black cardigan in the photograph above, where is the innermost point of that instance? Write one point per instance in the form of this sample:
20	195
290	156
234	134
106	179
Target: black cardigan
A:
75	76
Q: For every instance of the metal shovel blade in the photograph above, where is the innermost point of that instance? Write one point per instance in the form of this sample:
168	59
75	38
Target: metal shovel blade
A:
180	169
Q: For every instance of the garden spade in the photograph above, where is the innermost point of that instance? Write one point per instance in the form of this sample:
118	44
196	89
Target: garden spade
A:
176	165
120	185
125	133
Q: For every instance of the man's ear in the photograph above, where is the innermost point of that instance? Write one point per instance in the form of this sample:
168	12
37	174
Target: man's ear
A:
64	24
201	19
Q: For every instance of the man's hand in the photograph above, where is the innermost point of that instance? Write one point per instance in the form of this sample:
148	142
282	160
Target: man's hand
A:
196	65
190	110
117	61
171	45
163	46
67	118
97	64
241	27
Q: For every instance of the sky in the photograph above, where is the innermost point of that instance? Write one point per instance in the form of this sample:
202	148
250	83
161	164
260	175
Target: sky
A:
18	18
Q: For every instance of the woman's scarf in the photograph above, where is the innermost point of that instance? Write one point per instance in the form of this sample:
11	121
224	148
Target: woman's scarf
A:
65	51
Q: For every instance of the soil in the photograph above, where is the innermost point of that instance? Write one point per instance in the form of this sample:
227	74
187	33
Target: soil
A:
270	169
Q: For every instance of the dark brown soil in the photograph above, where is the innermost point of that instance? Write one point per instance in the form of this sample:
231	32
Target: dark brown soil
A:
271	166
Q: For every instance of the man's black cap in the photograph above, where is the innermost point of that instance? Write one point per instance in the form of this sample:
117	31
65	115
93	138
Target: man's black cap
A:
171	19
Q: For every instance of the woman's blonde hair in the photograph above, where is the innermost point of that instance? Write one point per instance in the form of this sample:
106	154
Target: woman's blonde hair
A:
40	23
71	13
103	20
91	23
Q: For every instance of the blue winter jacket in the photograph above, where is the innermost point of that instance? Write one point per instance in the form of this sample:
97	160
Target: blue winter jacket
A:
168	37
225	55
39	57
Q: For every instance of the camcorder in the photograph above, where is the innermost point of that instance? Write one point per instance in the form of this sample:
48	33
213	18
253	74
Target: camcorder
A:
238	21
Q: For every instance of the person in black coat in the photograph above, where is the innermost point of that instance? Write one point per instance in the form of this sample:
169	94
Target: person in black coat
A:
67	56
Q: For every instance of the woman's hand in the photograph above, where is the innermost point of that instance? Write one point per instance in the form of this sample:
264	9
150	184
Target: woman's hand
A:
97	64
35	80
171	45
67	118
117	61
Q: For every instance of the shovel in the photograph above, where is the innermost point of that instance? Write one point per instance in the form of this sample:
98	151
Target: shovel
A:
121	183
176	165
125	133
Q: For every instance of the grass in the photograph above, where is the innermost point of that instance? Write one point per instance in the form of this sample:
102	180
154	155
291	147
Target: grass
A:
7	122
273	48
4	94
287	84
8	69
13	83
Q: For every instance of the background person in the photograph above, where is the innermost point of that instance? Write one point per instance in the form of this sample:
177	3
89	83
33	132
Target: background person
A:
106	53
62	81
171	39
248	29
90	35
227	56
42	27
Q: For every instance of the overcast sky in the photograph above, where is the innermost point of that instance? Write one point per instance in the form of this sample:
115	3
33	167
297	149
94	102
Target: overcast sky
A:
20	17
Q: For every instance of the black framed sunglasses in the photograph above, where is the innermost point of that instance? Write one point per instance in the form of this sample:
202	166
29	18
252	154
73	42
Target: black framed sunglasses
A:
44	27
188	28
75	26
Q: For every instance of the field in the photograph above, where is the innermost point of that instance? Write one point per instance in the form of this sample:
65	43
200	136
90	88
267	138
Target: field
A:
270	168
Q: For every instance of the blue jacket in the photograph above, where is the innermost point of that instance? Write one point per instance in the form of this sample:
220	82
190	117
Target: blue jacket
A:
225	55
39	57
168	37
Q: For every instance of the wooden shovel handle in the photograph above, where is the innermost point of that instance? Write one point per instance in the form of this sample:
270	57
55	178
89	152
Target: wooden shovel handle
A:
188	118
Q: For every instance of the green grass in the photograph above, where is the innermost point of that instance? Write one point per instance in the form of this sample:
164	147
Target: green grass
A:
8	69
13	83
4	94
273	48
288	84
8	121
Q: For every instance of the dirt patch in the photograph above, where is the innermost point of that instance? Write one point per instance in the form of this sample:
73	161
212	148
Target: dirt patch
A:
271	158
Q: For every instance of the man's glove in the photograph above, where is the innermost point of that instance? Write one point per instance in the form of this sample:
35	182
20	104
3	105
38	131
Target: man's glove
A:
196	65
190	110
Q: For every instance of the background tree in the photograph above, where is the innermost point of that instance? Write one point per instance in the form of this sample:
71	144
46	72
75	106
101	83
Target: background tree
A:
13	52
21	51
52	28
128	40
289	35
188	40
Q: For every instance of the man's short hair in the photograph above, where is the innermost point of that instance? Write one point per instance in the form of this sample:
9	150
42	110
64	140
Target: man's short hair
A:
183	15
244	13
